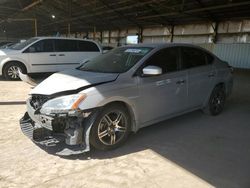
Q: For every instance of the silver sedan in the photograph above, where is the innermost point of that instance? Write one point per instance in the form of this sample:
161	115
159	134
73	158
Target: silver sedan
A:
99	103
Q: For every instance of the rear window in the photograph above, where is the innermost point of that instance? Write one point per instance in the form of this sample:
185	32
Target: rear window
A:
75	46
87	46
192	57
210	58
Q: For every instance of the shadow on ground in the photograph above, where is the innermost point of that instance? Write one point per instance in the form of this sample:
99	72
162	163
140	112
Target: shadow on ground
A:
36	76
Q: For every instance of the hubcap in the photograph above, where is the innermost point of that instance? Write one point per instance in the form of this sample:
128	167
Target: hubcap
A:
218	102
13	72
112	128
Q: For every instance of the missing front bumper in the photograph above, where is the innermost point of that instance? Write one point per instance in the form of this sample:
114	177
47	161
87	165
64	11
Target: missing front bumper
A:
68	143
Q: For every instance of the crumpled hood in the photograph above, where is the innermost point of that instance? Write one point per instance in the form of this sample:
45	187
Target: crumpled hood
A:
70	80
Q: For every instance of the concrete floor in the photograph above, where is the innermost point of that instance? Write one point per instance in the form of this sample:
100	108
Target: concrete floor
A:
193	150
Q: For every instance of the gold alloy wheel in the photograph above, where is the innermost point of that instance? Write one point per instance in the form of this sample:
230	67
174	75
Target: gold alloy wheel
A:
112	128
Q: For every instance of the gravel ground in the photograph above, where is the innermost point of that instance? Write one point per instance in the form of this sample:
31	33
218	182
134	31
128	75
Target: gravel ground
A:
193	150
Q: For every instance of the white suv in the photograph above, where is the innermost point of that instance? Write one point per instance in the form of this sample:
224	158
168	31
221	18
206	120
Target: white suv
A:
46	54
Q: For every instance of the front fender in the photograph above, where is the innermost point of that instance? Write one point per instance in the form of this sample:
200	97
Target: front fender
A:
88	125
9	59
98	100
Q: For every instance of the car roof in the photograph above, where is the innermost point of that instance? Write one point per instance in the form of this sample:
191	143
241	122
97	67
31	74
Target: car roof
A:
164	45
161	45
67	38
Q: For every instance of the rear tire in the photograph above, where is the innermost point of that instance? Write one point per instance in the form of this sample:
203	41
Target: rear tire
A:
10	70
216	101
111	128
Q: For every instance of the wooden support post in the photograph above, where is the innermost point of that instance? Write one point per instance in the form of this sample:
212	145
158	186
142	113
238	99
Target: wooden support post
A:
68	29
172	34
94	33
215	32
25	19
35	22
119	38
70	13
101	33
140	36
109	36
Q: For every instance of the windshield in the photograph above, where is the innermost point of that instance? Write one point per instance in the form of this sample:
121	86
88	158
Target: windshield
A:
118	60
21	45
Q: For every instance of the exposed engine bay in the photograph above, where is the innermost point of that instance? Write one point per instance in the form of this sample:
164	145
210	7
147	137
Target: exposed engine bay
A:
71	130
67	126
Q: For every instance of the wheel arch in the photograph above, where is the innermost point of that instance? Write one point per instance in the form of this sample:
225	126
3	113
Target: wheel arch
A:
129	107
14	61
218	84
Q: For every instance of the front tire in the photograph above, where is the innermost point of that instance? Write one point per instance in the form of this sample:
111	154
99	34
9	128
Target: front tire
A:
10	70
216	101
111	128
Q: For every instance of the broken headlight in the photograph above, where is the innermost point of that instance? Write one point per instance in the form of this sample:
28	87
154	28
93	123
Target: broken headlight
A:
63	104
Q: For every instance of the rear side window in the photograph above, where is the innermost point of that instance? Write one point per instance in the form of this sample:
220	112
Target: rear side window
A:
46	45
166	59
87	46
210	58
66	45
192	57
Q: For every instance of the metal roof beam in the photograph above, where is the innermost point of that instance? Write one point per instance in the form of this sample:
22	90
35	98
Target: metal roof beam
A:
32	5
104	12
121	15
198	10
8	8
211	16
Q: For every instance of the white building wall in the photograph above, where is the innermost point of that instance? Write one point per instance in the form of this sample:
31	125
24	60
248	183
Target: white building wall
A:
227	32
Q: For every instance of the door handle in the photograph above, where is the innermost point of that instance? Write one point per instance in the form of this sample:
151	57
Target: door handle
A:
211	74
61	54
52	54
180	81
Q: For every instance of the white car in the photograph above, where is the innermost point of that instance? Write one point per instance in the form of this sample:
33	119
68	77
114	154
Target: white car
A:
46	54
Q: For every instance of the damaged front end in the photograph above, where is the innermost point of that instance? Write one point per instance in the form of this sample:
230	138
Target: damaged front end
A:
67	130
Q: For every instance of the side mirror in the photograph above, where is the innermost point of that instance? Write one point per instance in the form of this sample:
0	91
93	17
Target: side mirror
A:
152	70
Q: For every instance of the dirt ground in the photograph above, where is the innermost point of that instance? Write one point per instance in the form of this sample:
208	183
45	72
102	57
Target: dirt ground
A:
193	150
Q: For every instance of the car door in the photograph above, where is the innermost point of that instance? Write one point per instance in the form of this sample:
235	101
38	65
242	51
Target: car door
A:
201	74
67	56
42	56
165	94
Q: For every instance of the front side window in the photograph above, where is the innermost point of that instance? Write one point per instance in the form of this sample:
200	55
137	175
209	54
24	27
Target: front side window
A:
87	46
118	60
192	57
166	59
22	45
46	45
